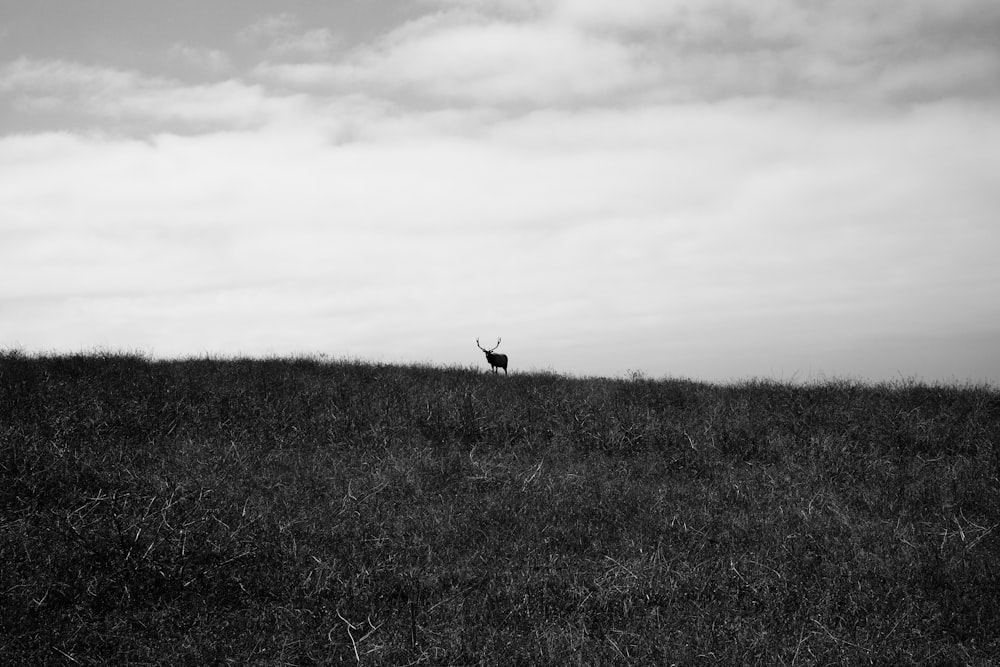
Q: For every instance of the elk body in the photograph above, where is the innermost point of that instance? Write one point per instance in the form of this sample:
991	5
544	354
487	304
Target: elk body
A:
496	360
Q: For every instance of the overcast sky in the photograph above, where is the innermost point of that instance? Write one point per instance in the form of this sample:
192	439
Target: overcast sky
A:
687	188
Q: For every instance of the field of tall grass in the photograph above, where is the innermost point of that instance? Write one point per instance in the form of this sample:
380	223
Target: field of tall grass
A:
307	511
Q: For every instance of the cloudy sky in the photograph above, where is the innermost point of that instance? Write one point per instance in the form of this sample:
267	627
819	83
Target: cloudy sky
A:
689	188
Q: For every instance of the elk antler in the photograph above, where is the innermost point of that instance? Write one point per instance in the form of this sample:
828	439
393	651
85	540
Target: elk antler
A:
484	349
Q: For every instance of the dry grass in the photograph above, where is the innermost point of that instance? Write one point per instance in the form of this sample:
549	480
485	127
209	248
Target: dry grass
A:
304	512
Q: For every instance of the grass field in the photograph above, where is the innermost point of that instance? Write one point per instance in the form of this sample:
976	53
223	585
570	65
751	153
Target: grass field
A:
302	511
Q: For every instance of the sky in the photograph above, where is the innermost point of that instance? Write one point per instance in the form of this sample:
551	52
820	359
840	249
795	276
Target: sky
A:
705	189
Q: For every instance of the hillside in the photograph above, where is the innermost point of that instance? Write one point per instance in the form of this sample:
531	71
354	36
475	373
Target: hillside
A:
299	511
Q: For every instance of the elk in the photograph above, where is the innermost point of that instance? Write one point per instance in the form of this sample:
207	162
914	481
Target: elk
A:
496	360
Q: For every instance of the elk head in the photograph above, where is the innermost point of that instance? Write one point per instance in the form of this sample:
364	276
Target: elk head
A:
495	360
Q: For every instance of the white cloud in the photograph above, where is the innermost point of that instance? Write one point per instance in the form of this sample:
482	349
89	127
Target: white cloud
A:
964	74
284	36
320	76
317	42
127	96
853	51
759	223
211	60
456	56
28	76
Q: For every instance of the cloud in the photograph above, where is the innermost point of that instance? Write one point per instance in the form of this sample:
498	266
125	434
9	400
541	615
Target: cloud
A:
954	75
30	75
456	56
764	222
284	36
211	60
691	50
113	94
